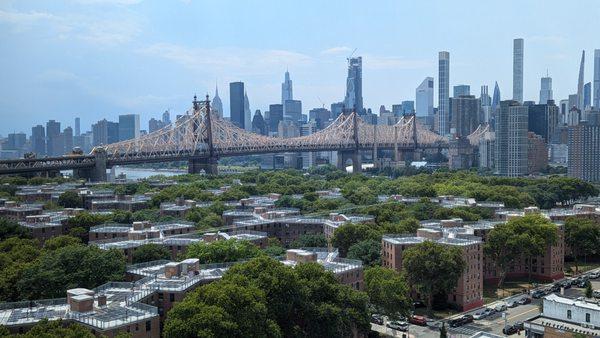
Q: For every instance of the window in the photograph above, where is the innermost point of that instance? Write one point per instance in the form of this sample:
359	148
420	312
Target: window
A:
568	314
148	325
587	317
171	297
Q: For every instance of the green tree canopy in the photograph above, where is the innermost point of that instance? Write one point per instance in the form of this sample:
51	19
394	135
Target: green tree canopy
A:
221	251
70	199
351	233
53	329
433	268
10	228
582	237
58	242
388	291
150	252
368	251
310	241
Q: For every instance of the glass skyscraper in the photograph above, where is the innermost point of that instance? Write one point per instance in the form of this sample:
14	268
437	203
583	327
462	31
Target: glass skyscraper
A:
597	78
443	93
129	126
354	99
236	104
461	90
424	97
545	90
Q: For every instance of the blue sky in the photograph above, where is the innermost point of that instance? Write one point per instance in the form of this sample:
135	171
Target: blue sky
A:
102	58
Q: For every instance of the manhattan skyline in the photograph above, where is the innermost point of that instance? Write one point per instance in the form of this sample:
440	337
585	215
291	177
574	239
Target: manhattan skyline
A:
95	59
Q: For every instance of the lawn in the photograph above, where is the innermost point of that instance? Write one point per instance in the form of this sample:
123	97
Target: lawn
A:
491	292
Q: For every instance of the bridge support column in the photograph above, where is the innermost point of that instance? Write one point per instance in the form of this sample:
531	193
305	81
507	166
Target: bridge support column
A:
209	165
344	155
98	172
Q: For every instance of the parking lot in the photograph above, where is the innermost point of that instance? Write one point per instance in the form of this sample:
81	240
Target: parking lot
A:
493	323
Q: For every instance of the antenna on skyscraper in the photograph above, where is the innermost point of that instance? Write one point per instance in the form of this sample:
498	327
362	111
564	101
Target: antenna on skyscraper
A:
323	104
352	53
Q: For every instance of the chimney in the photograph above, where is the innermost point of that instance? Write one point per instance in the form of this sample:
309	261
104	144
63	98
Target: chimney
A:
172	269
80	300
101	300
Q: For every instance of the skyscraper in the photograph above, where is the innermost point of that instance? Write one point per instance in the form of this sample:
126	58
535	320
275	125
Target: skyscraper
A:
545	90
424	97
353	99
461	90
543	119
259	126
38	140
275	116
496	98
518	50
584	150
408	107
511	139
597	79
580	82
443	93
68	136
52	138
286	89
484	97
105	132
587	95
292	111
236	104
217	104
465	115
247	113
166	117
129	126
77	126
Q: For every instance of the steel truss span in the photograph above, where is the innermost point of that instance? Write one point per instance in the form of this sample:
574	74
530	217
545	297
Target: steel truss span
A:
199	134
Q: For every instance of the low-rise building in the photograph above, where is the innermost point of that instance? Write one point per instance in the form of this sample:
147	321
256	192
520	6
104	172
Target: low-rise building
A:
121	202
565	317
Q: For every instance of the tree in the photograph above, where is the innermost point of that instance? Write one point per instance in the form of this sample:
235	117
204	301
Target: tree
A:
265	298
368	251
16	255
69	267
10	228
388	291
310	241
56	329
150	252
70	199
221	251
350	233
589	291
58	242
433	268
582	236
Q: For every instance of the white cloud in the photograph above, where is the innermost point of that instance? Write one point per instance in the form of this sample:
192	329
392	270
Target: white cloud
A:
238	61
336	50
96	29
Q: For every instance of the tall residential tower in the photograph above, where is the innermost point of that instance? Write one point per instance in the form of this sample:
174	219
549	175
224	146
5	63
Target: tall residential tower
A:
518	49
354	99
443	93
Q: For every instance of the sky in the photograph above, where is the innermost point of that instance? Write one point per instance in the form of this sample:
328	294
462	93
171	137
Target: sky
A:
97	59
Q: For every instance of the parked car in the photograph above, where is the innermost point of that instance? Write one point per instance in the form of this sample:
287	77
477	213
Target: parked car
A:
417	320
594	275
512	303
480	314
501	307
489	311
524	300
596	293
510	329
466	319
461	321
398	325
377	319
418	303
555	287
538	294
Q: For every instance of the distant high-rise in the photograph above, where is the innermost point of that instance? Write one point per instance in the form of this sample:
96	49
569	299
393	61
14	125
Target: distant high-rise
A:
105	132
580	105
584	150
587	95
336	109
275	116
511	139
166	117
461	90
154	125
68	139
77	126
53	146
129	126
465	115
443	93
286	89
597	79
543	119
485	98
518	51
353	100
236	104
217	105
15	141
545	90
408	107
424	97
496	98
259	126
292	110
247	113
38	140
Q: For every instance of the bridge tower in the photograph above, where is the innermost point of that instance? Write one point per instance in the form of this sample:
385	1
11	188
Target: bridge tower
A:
207	163
353	153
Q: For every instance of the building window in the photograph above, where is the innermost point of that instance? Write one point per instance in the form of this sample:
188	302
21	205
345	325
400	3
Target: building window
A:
148	325
171	297
568	314
587	317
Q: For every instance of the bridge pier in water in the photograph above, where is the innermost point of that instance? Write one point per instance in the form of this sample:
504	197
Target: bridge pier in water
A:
209	165
98	172
354	155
